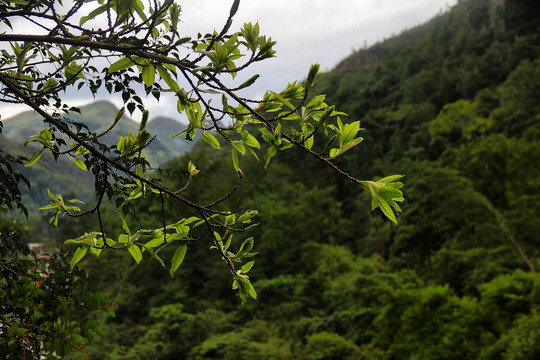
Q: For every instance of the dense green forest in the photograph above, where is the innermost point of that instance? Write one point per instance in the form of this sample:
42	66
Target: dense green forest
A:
454	105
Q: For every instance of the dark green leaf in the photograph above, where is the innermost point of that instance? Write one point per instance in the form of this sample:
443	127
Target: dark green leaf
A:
234	8
93	14
249	81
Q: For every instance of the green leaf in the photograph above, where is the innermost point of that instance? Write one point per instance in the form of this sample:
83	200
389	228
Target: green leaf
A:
369	185
167	78
396	185
148	75
34	158
139	8
154	242
92	14
349	132
277	132
209	91
270	152
267	136
95	251
47	207
390	179
253	153
246	288
251	290
49	85
228	243
192	169
247	266
252	141
73	71
177	258
247	245
121	145
144	120
387	210
395	205
119	114
79	254
136	252
239	146
309	142
235	159
153	254
135	194
313	70
315	102
20	2
210	140
249	82
230	219
390	192
247	216
351	144
374	202
334	152
285	144
121	64
284	101
124	224
80	164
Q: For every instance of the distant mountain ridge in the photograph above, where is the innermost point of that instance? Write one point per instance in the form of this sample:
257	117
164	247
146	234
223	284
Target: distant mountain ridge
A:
99	116
63	176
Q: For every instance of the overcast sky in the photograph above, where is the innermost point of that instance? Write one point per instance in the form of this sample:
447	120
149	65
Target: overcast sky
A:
306	31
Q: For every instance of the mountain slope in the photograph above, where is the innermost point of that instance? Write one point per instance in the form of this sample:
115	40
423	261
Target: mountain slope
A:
167	147
63	176
99	116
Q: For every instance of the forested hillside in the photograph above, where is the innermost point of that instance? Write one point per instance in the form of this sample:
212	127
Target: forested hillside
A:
452	104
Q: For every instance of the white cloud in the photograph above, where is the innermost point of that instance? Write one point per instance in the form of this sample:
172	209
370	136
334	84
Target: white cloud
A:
306	31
